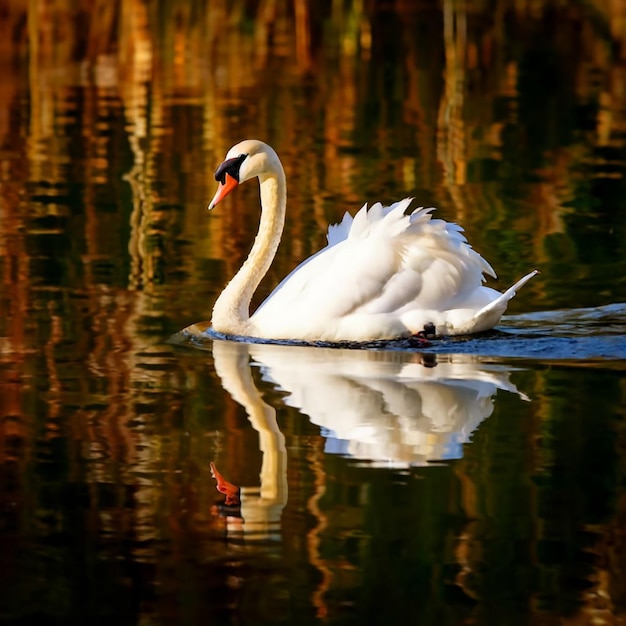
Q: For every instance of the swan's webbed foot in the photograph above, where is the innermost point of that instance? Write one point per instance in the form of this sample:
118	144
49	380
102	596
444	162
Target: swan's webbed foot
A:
428	332
424	336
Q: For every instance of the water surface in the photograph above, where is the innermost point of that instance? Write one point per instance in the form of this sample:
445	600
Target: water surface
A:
469	481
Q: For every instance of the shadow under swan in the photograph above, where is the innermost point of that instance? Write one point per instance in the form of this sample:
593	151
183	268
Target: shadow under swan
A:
389	408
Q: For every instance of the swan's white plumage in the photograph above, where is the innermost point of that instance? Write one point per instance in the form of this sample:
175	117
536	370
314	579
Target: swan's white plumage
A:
385	273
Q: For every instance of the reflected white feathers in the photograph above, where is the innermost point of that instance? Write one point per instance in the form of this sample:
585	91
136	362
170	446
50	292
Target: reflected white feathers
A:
392	409
386	273
389	408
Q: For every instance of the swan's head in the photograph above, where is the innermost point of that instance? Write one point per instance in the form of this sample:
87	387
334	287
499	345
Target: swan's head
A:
248	159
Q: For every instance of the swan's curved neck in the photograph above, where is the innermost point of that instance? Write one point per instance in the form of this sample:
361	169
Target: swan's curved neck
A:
231	312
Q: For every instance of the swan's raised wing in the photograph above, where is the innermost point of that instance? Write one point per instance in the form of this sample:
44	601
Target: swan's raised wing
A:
381	263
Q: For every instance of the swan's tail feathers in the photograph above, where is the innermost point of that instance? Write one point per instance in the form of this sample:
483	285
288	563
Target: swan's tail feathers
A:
511	291
490	314
501	301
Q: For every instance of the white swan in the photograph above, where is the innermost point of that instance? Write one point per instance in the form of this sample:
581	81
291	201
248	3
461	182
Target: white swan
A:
383	274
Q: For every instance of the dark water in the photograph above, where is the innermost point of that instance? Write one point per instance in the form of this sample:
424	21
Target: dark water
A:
469	481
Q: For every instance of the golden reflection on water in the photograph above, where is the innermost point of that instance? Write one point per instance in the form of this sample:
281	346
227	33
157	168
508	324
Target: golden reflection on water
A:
350	128
113	116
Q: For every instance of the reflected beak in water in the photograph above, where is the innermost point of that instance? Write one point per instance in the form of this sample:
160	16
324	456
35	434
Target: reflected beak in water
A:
223	189
223	486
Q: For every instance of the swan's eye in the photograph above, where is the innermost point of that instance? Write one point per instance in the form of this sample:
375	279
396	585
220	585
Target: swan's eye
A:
229	166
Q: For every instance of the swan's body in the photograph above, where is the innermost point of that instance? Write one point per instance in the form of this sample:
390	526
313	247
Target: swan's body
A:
383	274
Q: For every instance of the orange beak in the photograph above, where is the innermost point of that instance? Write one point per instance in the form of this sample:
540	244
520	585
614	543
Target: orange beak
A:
223	190
223	486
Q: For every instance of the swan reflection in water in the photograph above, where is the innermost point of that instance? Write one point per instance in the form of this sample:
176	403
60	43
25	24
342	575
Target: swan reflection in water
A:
389	408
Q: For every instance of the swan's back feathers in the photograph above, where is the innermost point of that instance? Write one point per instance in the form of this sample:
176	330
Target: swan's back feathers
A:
339	232
381	262
439	230
377	216
393	221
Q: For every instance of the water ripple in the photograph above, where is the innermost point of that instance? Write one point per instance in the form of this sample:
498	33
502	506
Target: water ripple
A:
584	334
